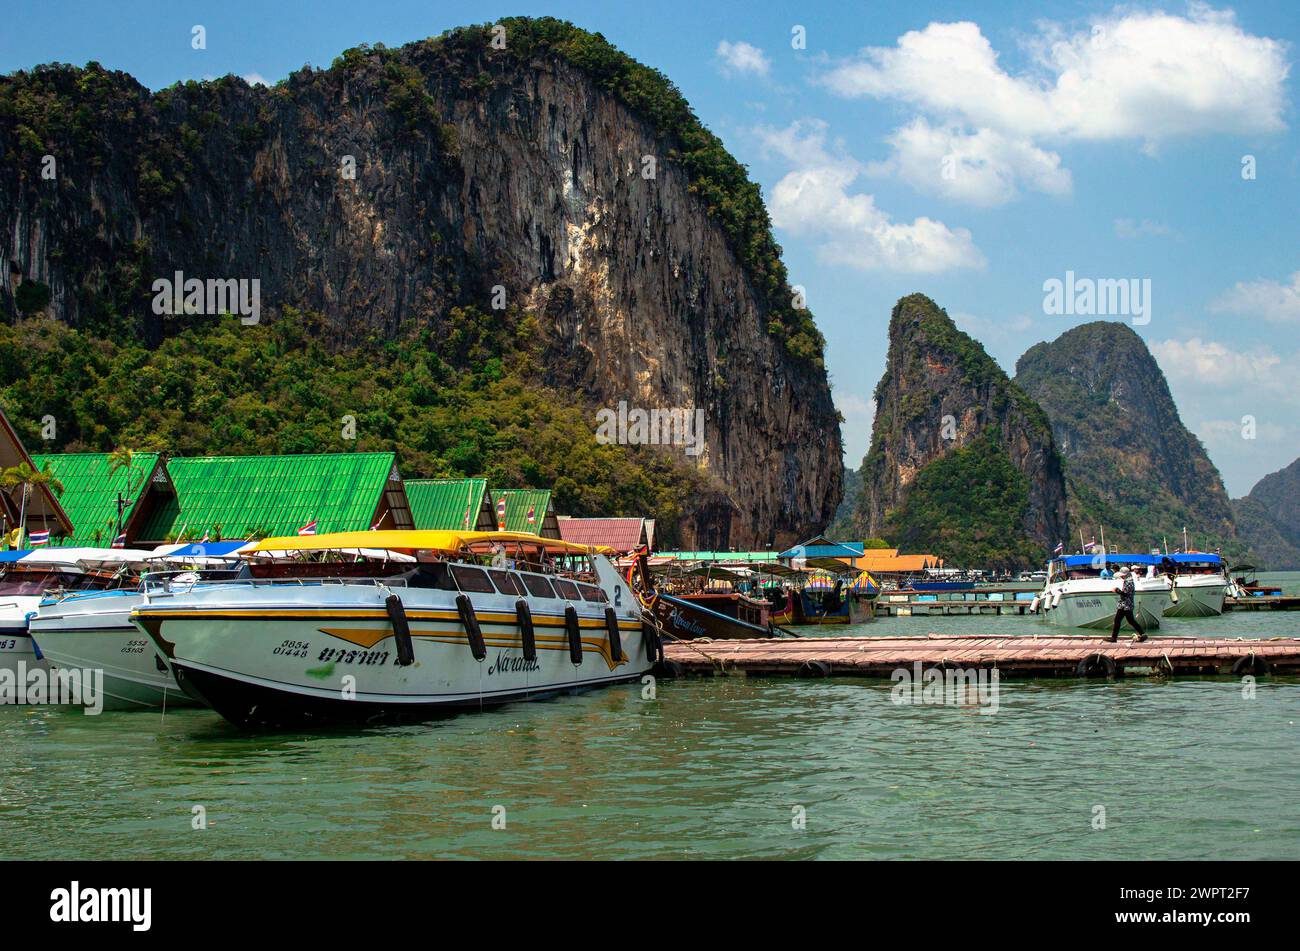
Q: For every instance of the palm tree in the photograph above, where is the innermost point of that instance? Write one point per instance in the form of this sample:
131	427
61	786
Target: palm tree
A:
121	458
23	474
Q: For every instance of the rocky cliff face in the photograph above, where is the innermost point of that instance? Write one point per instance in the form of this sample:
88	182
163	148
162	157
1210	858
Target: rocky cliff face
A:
1268	519
962	463
1131	465
553	176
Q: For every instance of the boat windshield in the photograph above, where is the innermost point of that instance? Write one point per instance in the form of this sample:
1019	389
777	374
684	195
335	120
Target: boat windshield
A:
29	583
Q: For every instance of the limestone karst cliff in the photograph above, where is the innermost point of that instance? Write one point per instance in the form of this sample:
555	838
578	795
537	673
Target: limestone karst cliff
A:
549	174
962	463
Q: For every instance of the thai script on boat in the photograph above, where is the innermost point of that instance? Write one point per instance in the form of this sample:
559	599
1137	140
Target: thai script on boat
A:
178	294
946	686
34	686
1102	297
671	426
74	904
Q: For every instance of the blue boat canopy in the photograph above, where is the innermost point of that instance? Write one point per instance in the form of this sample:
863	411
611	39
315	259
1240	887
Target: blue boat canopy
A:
7	556
206	549
1194	558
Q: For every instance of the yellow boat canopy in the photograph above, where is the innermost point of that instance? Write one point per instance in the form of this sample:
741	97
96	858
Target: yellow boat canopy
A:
442	542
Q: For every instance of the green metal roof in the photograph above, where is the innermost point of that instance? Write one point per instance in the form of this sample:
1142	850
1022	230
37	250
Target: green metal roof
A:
518	502
90	491
274	494
441	504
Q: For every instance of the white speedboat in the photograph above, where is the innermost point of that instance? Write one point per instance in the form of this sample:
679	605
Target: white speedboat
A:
480	618
93	630
27	579
1200	584
1081	591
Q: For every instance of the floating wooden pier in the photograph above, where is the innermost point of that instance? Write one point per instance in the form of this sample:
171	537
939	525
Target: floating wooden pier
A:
1272	602
1052	655
948	608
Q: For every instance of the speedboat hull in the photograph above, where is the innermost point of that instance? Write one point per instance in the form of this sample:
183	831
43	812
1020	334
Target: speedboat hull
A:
279	655
1198	597
17	650
95	632
1086	607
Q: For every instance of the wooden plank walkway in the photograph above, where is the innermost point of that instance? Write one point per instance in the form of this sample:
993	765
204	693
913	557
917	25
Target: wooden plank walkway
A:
1270	602
1051	655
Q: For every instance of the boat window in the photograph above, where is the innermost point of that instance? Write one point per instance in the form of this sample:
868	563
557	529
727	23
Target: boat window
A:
591	593
431	575
568	590
506	582
34	583
538	586
472	579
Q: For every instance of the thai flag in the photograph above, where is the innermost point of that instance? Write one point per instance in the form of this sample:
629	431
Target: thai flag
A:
467	516
308	529
39	538
501	513
532	514
1059	549
120	541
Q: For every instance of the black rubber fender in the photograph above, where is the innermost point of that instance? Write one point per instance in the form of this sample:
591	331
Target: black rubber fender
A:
814	668
524	617
670	668
615	641
574	631
469	620
1250	664
1096	665
650	638
401	630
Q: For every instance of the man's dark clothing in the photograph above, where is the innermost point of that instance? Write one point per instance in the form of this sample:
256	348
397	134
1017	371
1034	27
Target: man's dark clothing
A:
1124	610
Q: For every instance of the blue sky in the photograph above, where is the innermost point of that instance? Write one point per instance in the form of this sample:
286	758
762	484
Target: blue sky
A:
937	147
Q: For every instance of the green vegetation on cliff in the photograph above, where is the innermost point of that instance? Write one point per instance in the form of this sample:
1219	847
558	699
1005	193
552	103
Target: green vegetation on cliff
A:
968	506
219	387
1131	466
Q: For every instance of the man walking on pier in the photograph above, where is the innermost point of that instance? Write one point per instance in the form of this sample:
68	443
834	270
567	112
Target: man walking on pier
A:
1124	610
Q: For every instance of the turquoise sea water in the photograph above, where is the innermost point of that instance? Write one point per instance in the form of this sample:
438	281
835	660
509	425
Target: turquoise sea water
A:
710	768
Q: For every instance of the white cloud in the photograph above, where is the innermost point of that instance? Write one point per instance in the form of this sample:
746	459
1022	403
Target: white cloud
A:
1210	363
815	199
980	168
741	58
1145	76
1269	300
256	79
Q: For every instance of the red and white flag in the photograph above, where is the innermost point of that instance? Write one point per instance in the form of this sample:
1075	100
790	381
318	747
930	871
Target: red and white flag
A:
501	513
308	529
120	541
